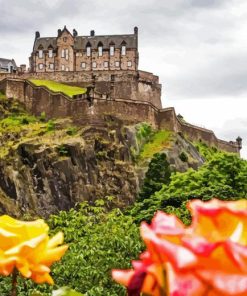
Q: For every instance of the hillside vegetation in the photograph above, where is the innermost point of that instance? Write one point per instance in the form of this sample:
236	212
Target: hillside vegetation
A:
103	232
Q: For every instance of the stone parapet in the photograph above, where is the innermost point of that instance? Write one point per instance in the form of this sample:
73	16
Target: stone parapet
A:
98	104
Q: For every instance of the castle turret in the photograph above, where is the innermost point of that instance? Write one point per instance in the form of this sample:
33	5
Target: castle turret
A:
239	142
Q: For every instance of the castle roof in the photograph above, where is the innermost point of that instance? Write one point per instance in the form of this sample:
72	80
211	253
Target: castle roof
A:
81	42
4	63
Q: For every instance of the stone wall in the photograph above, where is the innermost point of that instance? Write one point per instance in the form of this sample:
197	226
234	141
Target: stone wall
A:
167	119
130	85
84	111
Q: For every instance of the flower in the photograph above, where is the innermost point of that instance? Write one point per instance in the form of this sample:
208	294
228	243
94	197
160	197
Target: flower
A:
27	247
207	258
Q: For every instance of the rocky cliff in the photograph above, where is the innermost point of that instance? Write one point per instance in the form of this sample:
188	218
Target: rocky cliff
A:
46	166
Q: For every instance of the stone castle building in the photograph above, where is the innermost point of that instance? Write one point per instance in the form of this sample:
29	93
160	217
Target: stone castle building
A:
70	52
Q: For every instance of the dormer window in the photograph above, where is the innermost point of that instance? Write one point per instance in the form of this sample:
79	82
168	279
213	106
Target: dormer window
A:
40	53
100	49
123	50
50	53
112	50
88	47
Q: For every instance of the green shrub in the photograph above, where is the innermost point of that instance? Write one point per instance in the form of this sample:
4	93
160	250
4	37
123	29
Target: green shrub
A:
50	126
71	131
63	150
158	173
183	156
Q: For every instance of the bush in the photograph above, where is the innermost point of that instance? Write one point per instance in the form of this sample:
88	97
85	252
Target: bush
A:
183	156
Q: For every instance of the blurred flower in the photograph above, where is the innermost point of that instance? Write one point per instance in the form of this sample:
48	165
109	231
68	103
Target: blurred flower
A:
207	258
27	247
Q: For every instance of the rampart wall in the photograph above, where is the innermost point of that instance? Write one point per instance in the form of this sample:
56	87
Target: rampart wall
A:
87	110
133	85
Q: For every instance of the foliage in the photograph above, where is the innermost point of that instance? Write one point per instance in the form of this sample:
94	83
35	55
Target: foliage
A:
2	95
158	174
159	141
223	176
144	132
99	240
59	87
65	291
183	156
206	151
63	150
71	131
50	126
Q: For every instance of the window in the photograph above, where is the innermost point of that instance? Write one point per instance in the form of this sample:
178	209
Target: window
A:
94	65
112	49
100	50
117	64
63	67
83	65
123	51
106	64
67	69
64	39
88	51
40	53
129	64
50	53
41	66
51	66
63	53
67	54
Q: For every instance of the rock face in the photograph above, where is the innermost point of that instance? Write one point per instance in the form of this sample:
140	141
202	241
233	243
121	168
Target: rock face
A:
50	166
46	178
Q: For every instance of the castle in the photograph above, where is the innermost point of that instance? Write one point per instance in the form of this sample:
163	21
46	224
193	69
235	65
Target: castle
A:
108	67
70	52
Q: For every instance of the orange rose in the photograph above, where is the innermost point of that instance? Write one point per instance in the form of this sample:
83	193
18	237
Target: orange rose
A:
27	247
207	258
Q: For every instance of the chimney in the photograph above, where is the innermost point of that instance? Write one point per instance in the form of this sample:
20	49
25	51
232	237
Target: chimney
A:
136	30
75	33
92	33
37	35
59	32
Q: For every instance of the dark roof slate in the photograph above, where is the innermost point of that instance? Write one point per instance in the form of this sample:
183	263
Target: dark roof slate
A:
81	41
4	63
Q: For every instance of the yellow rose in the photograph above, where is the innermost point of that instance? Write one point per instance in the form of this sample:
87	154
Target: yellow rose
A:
27	247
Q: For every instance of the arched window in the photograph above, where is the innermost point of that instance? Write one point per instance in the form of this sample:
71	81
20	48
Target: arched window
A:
88	47
50	51
40	52
112	49
100	49
123	48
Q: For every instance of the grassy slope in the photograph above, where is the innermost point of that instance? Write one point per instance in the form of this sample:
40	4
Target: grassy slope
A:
160	140
17	126
59	87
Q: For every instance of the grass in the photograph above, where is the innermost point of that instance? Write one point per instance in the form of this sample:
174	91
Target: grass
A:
59	87
2	96
160	140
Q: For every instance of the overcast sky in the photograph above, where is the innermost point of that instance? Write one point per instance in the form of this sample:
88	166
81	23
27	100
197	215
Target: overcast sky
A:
197	47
